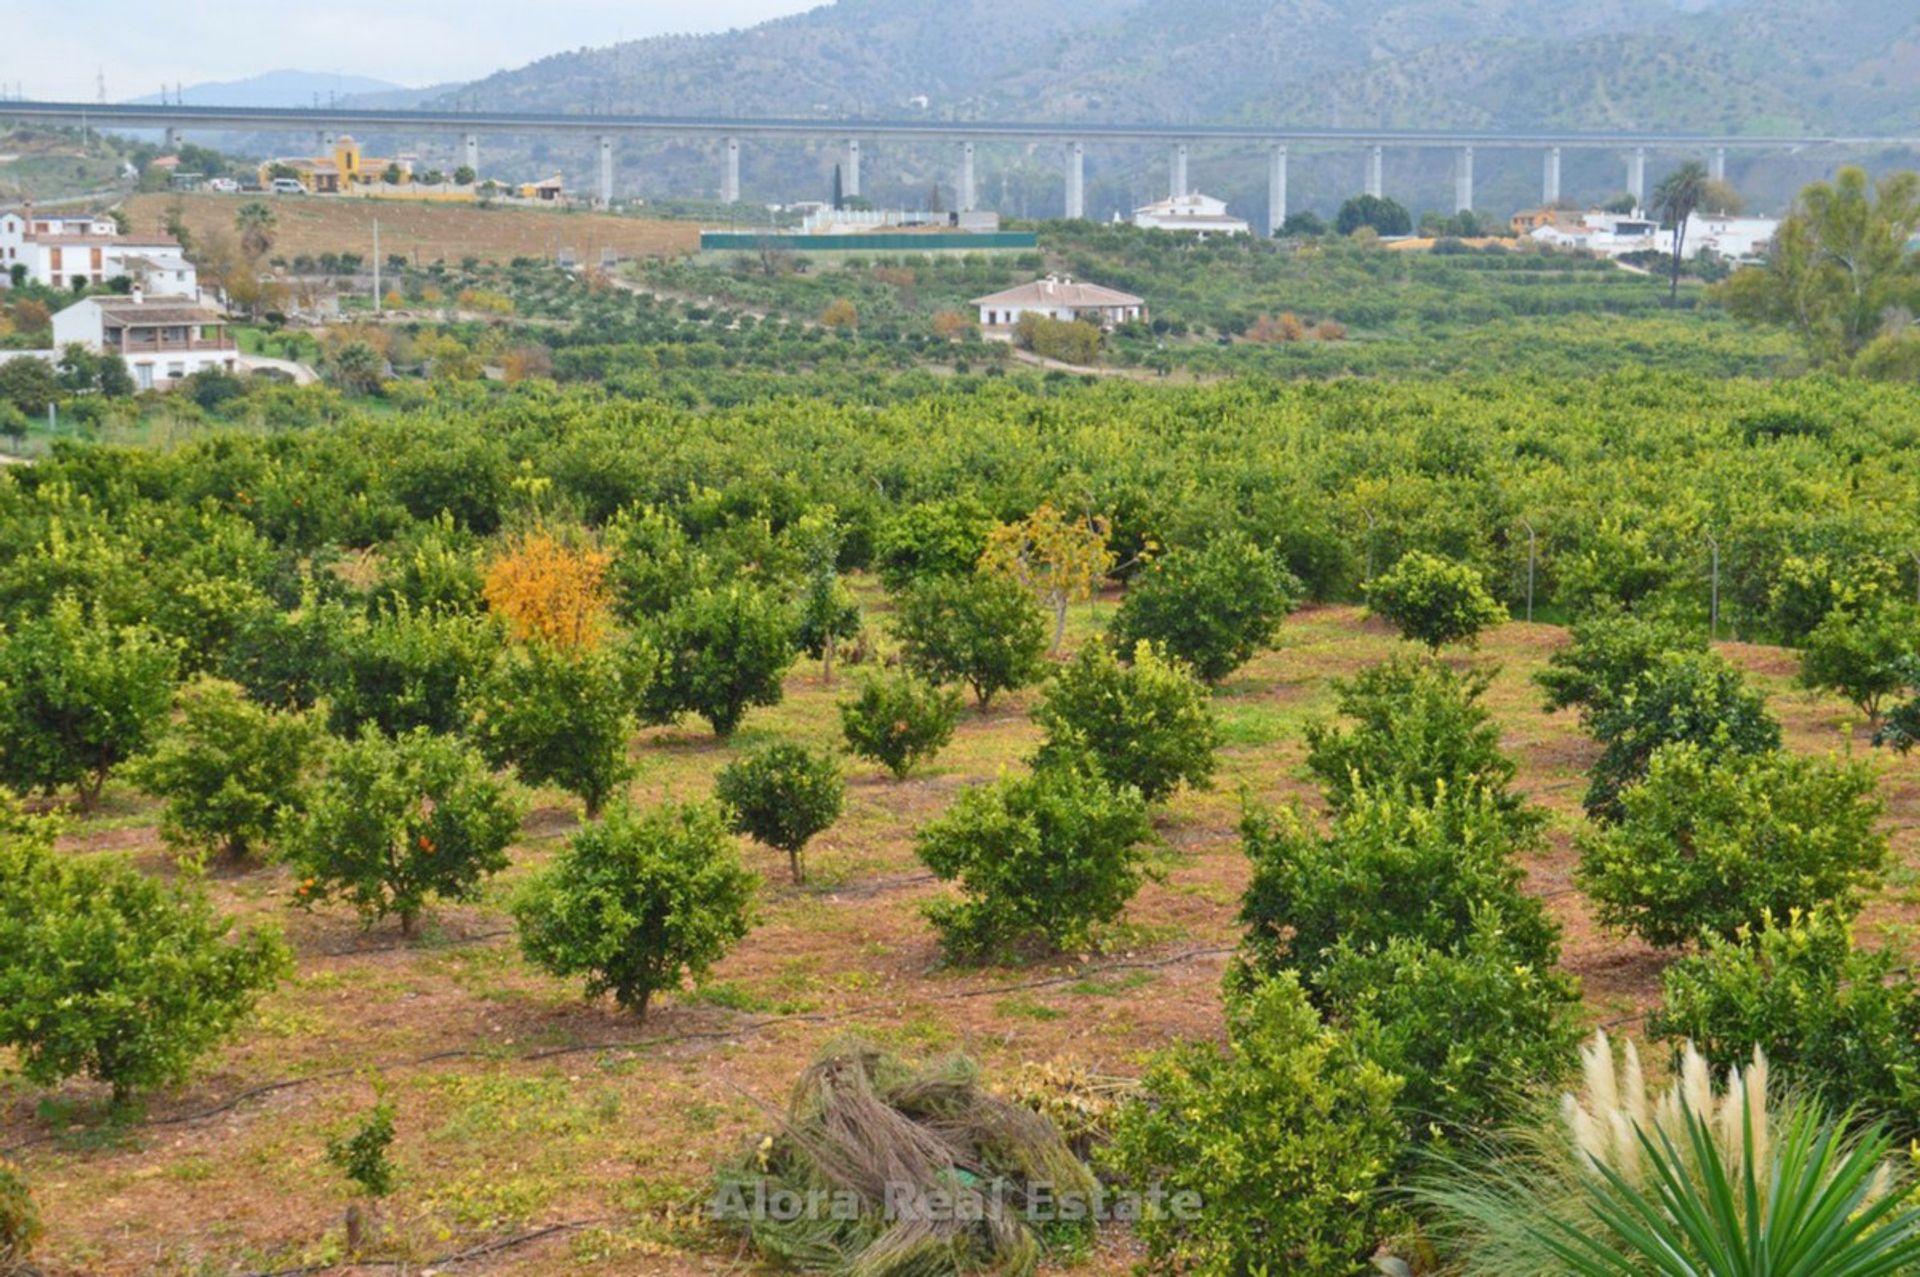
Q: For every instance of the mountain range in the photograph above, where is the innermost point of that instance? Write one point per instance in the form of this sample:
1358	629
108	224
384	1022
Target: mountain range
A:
1742	65
1732	66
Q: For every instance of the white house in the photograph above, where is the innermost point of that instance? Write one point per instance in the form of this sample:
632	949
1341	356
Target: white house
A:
162	339
57	250
1057	298
1618	234
1737	238
1193	214
1603	233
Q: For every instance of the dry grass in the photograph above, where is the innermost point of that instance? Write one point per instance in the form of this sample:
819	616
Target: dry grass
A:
519	1106
424	233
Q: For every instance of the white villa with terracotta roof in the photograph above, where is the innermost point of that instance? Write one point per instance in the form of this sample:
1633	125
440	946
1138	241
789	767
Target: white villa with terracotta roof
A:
1056	298
58	251
163	339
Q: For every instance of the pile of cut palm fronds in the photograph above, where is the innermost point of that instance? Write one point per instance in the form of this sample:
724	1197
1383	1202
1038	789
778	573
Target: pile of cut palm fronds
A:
902	1171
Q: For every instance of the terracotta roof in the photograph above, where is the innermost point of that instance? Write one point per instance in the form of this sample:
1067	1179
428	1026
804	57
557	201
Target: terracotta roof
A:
171	311
1059	292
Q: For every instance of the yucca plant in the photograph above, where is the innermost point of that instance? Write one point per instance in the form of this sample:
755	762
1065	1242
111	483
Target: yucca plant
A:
1695	1183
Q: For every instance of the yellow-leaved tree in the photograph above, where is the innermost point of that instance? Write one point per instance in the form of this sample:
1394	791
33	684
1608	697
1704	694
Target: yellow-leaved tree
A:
547	588
1060	558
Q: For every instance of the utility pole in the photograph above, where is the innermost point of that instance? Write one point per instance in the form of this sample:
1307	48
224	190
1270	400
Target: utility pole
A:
376	266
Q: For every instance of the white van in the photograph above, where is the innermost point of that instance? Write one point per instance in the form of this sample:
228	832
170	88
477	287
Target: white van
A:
287	186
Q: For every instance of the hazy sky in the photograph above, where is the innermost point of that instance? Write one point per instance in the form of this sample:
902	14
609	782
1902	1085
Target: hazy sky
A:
140	45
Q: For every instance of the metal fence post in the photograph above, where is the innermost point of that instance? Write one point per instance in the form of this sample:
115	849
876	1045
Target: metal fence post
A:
1533	557
1371	524
1713	616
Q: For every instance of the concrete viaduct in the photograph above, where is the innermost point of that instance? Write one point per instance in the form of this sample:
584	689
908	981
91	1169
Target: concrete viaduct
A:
731	134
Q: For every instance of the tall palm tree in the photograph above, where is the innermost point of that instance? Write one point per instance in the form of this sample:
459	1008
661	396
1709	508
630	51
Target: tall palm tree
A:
255	223
1674	201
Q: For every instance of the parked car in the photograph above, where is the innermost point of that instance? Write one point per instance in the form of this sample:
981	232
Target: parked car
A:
287	186
225	185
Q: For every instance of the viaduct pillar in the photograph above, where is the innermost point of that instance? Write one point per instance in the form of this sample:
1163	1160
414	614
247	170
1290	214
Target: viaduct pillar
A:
470	150
1177	184
606	170
1550	181
967	196
1276	190
850	174
1637	176
1076	180
1717	164
1376	172
1463	180
730	172
173	139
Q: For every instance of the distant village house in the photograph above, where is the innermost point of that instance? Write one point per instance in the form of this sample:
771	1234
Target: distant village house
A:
58	251
339	173
1193	214
1057	298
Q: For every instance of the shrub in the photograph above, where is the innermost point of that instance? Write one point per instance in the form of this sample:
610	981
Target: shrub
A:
398	820
638	902
721	652
929	539
559	716
1067	341
1609	654
405	670
1901	730
1837	1019
782	796
1051	855
1865	658
1434	601
1686	698
363	1156
1388	868
654	563
545	588
20	1226
1211	607
1148	725
1712	844
1473	1032
1698	1180
78	697
228	770
984	631
433	567
116	975
1286	1138
899	721
1419	731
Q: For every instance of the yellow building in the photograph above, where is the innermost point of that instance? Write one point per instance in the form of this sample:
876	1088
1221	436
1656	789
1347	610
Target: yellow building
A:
341	172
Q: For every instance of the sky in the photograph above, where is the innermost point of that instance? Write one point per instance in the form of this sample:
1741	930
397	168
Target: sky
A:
139	45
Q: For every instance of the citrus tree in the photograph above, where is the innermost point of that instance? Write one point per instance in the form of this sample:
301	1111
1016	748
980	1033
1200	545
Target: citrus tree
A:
228	770
638	902
398	821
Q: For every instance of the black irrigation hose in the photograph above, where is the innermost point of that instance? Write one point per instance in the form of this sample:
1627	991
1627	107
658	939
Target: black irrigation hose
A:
442	1261
663	1039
